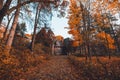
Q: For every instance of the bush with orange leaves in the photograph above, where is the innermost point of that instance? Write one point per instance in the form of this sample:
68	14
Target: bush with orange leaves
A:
97	69
20	61
8	65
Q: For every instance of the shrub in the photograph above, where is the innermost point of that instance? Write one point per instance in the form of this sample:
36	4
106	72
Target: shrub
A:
102	69
20	61
38	49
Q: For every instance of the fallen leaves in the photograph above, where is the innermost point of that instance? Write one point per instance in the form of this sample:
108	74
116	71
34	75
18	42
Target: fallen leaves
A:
101	69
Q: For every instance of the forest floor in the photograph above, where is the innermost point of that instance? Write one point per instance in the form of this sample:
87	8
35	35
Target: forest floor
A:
56	68
74	68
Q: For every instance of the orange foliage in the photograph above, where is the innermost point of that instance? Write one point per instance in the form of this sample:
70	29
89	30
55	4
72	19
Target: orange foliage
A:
75	18
101	35
97	68
110	41
28	36
73	32
59	37
75	43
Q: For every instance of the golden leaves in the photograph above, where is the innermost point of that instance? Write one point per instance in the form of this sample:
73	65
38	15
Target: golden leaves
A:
73	32
101	35
111	46
75	18
112	5
59	37
105	6
106	39
75	43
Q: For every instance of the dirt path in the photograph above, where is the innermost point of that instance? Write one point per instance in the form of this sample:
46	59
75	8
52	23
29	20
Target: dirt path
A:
57	68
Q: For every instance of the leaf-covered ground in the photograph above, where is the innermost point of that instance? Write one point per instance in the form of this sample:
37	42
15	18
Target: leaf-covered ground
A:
100	68
62	68
75	68
56	68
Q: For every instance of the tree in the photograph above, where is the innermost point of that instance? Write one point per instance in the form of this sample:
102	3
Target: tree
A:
4	9
7	10
1	4
50	36
79	25
103	36
59	38
7	27
35	27
74	22
21	29
12	31
45	37
105	12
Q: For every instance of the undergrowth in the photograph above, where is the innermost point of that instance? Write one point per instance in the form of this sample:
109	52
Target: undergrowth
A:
20	61
97	69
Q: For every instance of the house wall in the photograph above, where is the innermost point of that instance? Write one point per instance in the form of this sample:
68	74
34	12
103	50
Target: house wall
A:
58	48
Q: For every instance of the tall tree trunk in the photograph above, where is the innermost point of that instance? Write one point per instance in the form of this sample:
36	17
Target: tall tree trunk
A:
4	10
12	31
84	28
106	39
1	4
108	50
53	49
6	29
35	27
85	50
88	29
115	39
